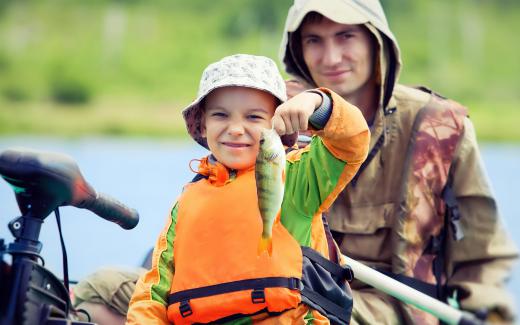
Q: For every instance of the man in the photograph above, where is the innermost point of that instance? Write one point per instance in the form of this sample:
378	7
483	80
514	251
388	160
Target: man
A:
420	208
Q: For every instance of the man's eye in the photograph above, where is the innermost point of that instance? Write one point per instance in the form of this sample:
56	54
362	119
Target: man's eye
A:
311	40
347	35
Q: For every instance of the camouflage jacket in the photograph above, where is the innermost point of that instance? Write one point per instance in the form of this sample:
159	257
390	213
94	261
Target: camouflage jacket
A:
377	221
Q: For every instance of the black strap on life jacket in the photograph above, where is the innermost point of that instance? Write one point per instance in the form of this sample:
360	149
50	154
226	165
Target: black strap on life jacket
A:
257	287
251	284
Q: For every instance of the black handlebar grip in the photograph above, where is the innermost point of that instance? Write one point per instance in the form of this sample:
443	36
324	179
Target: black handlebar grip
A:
111	209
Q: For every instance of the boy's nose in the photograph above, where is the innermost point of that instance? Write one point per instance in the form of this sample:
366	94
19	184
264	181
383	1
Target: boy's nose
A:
236	129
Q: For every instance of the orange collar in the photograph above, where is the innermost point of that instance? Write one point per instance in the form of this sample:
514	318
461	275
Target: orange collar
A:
217	173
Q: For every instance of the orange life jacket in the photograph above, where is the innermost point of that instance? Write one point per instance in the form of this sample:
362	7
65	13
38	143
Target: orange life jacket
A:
218	272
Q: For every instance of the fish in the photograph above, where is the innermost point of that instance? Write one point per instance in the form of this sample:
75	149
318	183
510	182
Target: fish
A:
269	174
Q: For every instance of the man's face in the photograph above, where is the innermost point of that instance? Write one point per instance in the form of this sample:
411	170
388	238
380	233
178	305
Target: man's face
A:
340	57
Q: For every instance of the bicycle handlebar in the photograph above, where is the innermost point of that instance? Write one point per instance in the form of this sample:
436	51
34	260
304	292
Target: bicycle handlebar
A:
43	181
111	209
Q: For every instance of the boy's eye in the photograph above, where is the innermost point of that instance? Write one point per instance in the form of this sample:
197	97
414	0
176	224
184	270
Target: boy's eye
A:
218	114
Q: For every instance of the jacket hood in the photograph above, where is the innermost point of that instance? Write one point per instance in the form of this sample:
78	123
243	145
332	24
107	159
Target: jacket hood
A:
367	12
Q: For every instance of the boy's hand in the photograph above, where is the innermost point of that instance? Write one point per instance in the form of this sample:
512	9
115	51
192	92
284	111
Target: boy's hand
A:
293	115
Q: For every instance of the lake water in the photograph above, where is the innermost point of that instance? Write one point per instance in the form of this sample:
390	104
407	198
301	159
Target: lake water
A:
148	176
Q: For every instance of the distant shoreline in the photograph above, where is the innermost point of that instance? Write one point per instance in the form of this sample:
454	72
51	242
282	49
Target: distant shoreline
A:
494	122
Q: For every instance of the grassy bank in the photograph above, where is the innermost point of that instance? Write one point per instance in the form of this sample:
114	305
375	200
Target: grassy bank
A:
127	67
493	122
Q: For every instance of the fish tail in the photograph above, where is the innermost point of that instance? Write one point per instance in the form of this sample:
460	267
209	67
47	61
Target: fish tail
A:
265	244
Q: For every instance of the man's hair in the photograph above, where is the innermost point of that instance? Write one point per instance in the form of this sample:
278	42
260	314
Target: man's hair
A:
295	44
311	17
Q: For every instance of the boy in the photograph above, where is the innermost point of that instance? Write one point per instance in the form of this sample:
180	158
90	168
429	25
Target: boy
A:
211	238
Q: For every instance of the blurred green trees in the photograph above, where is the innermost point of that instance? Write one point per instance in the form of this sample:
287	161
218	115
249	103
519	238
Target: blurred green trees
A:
147	52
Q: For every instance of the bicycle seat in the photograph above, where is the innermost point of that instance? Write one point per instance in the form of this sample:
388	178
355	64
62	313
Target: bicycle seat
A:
43	181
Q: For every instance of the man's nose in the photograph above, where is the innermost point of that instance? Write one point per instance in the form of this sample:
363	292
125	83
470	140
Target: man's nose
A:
332	54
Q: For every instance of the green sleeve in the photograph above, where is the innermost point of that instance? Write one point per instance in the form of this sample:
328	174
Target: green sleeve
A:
310	180
165	265
316	174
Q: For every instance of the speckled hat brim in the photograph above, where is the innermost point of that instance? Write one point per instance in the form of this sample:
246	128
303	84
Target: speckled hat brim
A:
242	70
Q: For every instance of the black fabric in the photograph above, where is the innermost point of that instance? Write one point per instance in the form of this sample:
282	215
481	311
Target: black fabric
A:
335	313
452	209
251	284
340	273
325	288
322	113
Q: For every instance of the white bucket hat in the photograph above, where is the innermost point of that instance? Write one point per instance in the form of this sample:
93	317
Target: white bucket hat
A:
244	70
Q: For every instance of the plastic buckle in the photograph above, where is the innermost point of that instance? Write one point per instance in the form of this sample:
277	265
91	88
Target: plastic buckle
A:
348	274
294	284
258	296
185	308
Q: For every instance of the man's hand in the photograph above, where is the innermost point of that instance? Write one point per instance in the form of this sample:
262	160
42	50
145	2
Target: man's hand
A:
293	115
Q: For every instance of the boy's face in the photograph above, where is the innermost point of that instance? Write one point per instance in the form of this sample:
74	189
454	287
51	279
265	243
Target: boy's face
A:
340	57
232	121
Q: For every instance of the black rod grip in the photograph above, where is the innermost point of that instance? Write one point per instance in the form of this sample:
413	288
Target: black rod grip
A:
111	209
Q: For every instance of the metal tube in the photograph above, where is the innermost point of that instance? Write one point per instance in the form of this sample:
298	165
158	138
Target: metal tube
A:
409	295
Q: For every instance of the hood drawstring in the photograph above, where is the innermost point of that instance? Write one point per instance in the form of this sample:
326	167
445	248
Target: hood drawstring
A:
216	173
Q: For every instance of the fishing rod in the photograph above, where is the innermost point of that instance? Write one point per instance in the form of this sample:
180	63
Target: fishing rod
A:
411	296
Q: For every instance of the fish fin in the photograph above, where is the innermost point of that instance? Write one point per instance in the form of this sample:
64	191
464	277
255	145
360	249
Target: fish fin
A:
278	216
265	244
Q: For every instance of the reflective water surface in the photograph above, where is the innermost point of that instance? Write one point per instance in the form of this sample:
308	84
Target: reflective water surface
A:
148	175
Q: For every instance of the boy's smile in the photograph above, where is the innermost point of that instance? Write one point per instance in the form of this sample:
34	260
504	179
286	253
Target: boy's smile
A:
233	118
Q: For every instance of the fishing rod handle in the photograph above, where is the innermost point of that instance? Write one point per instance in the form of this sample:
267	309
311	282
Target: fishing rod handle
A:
112	210
409	295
